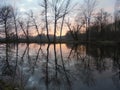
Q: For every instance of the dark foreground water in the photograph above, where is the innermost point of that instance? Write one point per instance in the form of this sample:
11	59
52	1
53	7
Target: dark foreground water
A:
59	67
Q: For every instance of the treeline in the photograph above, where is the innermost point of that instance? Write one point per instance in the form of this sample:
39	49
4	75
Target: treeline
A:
56	16
97	33
51	16
103	28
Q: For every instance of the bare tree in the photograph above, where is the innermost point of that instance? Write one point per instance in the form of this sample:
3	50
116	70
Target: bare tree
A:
45	6
15	23
117	15
102	20
46	18
59	9
6	20
65	11
56	12
74	30
87	10
25	28
33	22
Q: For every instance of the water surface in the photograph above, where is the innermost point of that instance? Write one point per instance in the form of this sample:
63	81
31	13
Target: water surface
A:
60	67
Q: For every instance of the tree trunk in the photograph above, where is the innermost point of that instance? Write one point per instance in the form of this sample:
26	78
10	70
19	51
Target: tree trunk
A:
46	20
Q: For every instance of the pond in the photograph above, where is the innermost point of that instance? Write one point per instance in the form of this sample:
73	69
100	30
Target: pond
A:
59	67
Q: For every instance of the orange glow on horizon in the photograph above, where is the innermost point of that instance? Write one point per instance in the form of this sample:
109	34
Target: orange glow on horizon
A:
34	33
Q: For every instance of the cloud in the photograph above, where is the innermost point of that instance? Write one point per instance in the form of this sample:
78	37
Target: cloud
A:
30	0
107	5
25	5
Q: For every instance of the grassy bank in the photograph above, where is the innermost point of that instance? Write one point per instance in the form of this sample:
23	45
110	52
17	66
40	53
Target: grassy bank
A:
5	86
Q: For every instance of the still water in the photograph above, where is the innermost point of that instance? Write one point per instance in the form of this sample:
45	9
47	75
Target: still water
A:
59	67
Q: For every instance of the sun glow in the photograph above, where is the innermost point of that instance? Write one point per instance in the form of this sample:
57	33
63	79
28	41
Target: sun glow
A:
34	33
29	0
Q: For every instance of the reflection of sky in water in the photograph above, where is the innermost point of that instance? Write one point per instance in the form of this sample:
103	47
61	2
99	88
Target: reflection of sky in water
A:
79	70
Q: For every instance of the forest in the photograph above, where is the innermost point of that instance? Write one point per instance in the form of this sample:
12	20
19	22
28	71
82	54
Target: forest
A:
87	25
59	45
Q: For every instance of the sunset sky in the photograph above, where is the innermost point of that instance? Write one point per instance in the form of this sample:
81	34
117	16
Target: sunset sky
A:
24	5
33	4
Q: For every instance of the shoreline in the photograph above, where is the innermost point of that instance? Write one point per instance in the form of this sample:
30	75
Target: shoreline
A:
105	43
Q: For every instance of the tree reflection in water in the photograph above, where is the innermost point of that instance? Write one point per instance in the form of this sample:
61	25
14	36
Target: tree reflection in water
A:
59	66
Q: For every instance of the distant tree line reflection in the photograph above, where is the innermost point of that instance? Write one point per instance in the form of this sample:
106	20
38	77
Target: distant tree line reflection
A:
50	68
